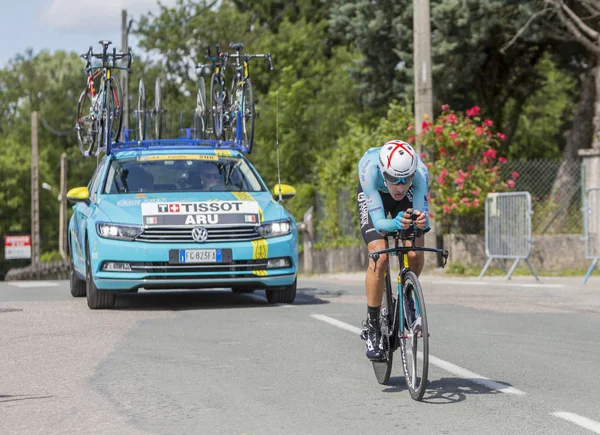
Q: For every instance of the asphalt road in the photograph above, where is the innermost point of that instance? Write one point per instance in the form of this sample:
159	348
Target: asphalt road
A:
507	357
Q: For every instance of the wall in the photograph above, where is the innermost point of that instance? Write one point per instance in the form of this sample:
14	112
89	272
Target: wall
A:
550	253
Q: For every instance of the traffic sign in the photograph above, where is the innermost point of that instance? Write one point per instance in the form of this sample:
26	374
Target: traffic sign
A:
17	247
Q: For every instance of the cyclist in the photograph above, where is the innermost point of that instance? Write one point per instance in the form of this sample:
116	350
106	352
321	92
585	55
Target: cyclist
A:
394	180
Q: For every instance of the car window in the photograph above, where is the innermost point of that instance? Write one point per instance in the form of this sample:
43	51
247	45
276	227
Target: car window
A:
96	178
190	173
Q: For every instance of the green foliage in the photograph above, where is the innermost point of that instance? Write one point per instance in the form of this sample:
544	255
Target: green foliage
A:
50	256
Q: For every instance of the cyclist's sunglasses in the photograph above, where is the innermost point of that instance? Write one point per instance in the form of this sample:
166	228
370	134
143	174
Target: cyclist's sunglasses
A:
397	180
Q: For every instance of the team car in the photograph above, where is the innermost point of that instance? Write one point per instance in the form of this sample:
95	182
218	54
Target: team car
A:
179	215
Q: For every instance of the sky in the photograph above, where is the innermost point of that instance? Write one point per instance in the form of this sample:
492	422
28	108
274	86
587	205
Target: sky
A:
71	25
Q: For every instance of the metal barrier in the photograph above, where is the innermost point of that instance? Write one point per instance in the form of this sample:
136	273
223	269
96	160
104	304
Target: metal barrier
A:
508	230
591	227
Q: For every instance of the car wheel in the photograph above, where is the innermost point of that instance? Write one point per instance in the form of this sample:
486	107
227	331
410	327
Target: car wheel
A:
78	289
95	299
282	295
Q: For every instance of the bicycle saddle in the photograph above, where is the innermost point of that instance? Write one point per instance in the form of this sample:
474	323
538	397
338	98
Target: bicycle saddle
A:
107	43
236	45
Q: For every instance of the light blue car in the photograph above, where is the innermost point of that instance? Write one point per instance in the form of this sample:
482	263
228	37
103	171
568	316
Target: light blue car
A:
174	214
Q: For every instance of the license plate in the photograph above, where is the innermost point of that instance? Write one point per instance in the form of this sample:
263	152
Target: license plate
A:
200	256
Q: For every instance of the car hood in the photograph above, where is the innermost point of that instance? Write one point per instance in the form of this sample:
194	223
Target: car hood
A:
127	209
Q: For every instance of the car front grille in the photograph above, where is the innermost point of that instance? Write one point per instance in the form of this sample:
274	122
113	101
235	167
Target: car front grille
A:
165	267
184	235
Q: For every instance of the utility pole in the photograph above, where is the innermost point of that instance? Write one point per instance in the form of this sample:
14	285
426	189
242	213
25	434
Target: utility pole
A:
62	231
422	65
35	191
423	87
125	73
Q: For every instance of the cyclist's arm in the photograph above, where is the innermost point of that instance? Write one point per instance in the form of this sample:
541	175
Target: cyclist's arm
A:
368	173
420	190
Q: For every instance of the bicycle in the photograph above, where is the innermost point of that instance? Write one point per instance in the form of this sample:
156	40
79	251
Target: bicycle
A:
142	112
406	308
100	113
242	113
219	99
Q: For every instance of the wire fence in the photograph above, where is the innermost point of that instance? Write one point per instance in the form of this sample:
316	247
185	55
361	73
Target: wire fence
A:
554	186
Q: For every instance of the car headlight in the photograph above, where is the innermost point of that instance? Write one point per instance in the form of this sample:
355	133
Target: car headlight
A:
118	231
275	229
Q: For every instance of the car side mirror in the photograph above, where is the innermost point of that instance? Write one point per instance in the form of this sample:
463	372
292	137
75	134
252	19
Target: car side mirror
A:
287	191
79	194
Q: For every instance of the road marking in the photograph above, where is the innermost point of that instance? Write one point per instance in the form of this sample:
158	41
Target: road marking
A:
444	365
480	283
584	422
31	284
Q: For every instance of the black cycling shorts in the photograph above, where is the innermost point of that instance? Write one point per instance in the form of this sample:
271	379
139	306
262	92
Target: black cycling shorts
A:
391	208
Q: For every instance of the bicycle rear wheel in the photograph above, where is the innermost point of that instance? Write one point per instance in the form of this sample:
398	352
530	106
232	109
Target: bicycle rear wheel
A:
201	109
86	123
157	110
141	111
389	310
414	341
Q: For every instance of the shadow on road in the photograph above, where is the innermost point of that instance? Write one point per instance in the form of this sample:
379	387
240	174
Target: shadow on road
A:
444	391
204	300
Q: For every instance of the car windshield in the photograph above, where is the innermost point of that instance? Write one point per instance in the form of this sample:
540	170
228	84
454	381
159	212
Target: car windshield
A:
181	173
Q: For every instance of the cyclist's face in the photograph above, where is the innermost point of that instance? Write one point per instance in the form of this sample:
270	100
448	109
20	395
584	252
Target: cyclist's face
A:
398	191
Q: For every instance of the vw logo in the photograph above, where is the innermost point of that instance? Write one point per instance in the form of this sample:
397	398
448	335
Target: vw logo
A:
200	234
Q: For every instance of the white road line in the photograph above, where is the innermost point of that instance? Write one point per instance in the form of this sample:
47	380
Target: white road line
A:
485	283
31	284
584	422
444	365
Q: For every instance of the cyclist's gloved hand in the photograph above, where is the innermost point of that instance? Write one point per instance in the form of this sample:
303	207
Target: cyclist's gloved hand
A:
421	221
403	220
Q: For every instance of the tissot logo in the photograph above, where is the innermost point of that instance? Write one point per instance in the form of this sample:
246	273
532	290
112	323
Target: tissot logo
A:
199	234
174	208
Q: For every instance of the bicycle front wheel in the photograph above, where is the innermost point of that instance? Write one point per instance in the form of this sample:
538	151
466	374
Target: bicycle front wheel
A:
141	111
389	313
115	108
157	110
86	123
248	115
414	341
201	109
217	102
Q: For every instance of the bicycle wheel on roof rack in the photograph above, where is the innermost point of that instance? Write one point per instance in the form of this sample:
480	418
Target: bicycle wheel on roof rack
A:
141	111
157	110
217	102
86	123
115	108
248	116
201	112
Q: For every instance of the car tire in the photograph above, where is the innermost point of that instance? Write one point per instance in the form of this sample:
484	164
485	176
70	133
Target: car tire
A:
96	299
78	286
282	295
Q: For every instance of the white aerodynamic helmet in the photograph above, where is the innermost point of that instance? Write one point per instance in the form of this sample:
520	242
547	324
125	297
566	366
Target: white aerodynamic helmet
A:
398	162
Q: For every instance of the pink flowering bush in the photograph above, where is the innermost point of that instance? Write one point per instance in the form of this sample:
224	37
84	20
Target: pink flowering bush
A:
465	166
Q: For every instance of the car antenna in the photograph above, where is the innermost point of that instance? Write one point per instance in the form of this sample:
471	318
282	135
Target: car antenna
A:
277	140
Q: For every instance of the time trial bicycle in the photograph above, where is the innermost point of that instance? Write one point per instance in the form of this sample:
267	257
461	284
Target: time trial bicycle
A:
100	113
403	316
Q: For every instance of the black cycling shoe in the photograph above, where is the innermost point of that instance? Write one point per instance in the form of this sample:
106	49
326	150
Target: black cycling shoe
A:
372	335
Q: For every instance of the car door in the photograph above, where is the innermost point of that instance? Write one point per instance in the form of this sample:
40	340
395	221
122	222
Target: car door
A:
82	212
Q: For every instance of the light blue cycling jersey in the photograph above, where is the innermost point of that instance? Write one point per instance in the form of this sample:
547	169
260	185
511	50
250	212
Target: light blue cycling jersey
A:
372	182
